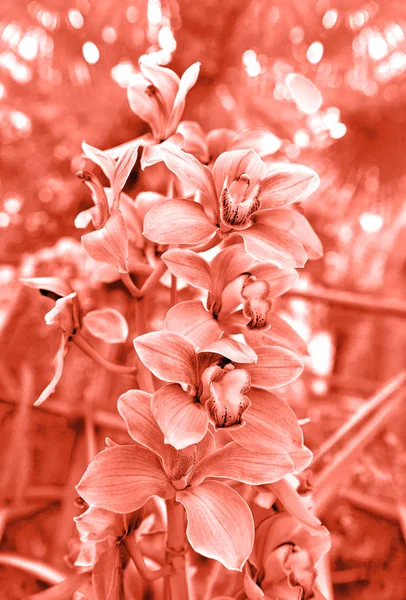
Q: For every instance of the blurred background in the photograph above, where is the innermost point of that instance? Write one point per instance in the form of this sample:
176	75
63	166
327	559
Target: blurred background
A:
328	79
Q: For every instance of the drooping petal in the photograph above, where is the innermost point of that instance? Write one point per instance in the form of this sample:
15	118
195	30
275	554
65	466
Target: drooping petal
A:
53	287
123	168
107	324
191	319
220	523
182	419
262	141
279	334
271	425
107	576
234	163
165	80
306	234
99	213
58	363
100	158
275	367
187	81
269	244
98	524
237	463
195	140
147	103
294	503
135	408
168	355
189	266
123	478
287	183
109	244
189	170
232	349
177	222
280	280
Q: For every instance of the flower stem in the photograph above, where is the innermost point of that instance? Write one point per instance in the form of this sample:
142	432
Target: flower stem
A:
130	285
138	559
176	549
174	291
153	278
88	349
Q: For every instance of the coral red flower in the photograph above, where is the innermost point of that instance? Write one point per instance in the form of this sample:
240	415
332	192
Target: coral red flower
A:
238	197
226	384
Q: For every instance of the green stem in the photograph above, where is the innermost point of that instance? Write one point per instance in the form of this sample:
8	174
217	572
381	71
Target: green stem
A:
176	549
92	353
144	376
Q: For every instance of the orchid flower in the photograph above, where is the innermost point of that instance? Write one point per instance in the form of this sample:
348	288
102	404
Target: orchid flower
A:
233	278
238	197
122	478
284	559
67	314
226	384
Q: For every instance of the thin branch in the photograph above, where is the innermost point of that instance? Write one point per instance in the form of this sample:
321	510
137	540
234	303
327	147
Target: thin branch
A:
36	568
88	349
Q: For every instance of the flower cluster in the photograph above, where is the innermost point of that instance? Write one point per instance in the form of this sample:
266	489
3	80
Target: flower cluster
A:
208	432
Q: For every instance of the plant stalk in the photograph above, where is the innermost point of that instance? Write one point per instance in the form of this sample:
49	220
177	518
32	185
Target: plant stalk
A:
176	549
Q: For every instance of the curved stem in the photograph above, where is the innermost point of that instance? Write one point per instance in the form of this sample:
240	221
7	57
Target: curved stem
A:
92	353
138	559
130	285
176	549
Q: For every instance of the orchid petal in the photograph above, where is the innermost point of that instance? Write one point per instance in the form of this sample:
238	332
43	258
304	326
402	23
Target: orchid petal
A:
269	244
107	576
168	355
271	425
109	244
84	218
227	265
280	280
123	168
187	81
98	524
49	286
100	158
262	141
302	459
232	349
287	183
58	361
123	478
177	222
220	523
294	503
165	80
234	163
275	367
279	334
182	419
189	266
145	201
237	463
189	170
306	234
191	319
135	408
152	154
195	140
99	213
146	102
107	324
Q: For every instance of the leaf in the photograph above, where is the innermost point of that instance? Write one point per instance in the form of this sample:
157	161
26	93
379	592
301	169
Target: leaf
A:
107	324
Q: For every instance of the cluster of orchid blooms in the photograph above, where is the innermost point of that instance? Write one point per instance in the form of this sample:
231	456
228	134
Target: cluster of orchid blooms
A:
213	465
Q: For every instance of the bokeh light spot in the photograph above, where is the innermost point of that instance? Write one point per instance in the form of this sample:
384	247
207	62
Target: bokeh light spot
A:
315	52
91	53
330	18
371	222
304	92
75	18
338	130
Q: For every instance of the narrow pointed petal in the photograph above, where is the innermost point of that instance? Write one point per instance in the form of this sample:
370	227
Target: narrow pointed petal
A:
275	367
187	81
188	266
58	363
168	355
135	408
309	238
182	419
262	141
294	503
177	222
191	319
271	425
147	103
109	244
279	334
123	478
107	324
235	351
123	168
287	183
220	523
52	285
190	170
165	80
107	576
194	140
100	212
269	244
234	163
237	463
280	280
100	158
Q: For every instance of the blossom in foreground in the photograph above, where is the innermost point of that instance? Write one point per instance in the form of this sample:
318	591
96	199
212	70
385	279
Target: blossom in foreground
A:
238	197
233	278
226	384
219	522
66	314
